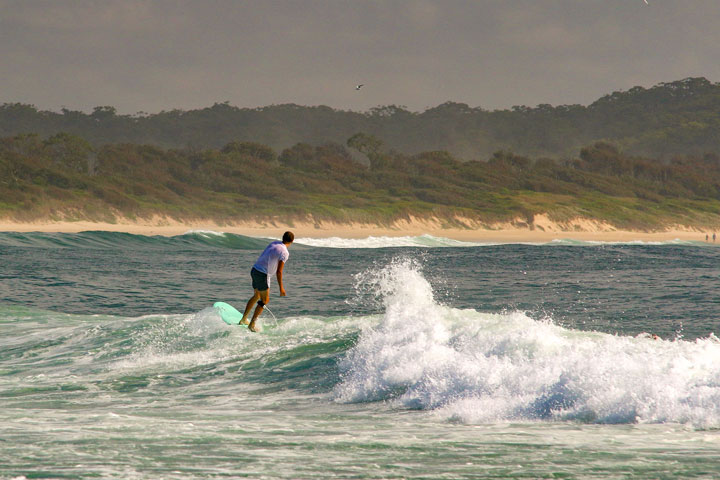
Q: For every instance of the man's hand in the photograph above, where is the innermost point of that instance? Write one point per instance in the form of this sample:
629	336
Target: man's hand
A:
282	292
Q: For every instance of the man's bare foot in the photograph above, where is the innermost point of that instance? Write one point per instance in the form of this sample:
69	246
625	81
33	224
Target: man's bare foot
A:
252	327
244	322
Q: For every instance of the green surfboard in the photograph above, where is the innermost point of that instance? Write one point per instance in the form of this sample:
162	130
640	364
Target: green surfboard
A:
228	313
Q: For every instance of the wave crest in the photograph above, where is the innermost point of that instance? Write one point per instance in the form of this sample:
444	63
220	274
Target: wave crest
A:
474	367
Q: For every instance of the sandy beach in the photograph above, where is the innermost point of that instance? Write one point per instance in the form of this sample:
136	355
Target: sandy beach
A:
542	230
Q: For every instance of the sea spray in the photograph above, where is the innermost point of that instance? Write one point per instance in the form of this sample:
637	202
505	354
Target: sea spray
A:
392	356
474	367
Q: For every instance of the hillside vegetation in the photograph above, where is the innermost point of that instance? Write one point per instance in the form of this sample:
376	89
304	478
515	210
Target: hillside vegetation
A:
65	176
677	118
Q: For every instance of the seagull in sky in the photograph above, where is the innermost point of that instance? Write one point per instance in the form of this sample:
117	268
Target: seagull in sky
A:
358	87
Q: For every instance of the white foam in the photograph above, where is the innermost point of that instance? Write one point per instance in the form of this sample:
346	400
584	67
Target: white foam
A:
429	241
475	367
205	232
386	242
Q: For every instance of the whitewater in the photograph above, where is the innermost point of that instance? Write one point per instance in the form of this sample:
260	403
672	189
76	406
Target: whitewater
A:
416	357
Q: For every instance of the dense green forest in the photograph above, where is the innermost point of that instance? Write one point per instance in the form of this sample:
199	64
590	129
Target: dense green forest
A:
65	176
677	118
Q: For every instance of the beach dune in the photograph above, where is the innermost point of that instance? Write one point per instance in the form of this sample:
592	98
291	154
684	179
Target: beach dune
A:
541	230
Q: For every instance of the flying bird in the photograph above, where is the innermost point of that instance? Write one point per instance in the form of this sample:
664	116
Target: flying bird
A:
358	87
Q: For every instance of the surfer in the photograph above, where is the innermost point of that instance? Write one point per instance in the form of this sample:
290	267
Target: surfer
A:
270	262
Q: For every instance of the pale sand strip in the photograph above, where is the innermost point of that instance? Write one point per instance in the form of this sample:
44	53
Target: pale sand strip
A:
543	229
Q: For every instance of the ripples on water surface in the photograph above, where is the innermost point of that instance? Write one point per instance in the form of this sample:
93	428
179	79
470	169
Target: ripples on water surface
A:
415	357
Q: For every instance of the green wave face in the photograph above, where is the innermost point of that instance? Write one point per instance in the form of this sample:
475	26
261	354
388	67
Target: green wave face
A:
75	359
119	240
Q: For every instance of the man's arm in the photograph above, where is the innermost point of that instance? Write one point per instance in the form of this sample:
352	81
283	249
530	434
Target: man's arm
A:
281	265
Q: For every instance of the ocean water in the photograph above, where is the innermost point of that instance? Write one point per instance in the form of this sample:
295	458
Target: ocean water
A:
390	358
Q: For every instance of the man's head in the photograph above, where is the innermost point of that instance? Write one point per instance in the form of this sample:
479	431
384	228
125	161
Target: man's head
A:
288	238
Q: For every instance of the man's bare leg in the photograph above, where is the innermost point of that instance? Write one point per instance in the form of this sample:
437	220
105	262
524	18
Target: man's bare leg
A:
265	297
251	303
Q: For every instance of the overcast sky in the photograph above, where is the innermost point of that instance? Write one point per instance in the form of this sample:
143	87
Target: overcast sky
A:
153	55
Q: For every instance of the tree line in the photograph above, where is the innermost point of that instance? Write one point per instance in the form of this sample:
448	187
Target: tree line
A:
359	180
681	117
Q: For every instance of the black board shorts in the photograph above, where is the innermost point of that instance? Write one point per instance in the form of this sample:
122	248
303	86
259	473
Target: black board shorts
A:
259	280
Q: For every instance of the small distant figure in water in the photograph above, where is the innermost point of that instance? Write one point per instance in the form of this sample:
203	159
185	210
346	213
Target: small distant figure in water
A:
707	239
271	262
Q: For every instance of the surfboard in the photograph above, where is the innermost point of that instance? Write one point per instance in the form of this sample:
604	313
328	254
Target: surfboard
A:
228	313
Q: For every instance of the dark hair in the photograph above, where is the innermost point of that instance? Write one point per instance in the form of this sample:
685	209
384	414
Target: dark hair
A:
288	237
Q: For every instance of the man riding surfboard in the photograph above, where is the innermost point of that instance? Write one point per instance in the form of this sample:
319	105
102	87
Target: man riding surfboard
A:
270	262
